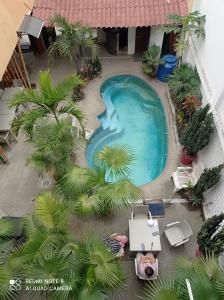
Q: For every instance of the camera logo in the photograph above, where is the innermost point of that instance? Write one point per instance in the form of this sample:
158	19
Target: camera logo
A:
15	284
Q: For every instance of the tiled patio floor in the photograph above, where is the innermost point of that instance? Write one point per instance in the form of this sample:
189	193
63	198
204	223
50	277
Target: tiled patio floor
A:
119	223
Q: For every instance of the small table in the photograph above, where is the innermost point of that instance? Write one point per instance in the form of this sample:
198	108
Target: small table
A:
5	121
9	92
4	110
141	236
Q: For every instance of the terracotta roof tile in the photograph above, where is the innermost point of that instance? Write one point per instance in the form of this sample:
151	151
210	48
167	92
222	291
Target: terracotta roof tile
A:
111	13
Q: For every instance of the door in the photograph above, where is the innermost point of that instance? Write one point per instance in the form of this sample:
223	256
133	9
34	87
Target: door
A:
112	41
142	39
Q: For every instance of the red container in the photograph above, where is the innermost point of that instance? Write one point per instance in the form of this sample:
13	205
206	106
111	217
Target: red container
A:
185	158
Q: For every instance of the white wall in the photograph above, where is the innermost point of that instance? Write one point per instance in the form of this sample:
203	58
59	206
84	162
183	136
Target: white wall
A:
210	50
131	40
156	36
211	156
207	56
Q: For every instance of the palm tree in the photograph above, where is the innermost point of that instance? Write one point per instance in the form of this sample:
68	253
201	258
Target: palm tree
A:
185	26
206	279
48	101
54	144
91	191
184	82
51	252
76	42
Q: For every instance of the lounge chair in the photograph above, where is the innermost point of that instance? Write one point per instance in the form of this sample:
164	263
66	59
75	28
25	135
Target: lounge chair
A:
178	233
140	212
155	275
184	175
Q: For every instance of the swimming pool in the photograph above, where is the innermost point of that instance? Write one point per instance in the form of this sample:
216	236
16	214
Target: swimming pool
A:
135	117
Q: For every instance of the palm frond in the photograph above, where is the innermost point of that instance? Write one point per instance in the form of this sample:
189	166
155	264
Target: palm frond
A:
71	109
119	195
51	213
24	97
27	120
116	160
162	289
73	183
64	88
5	277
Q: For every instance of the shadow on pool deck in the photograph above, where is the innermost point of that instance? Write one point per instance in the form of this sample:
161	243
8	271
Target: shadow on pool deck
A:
119	223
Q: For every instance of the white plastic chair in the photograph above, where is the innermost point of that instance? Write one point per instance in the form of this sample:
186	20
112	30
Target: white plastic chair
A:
140	212
178	233
155	275
184	175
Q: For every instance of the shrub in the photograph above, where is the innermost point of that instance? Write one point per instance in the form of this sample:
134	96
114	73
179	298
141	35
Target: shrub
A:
207	241
151	60
208	179
94	67
197	134
184	82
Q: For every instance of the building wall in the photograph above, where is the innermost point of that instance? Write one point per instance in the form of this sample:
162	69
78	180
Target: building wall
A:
156	36
211	156
207	56
11	15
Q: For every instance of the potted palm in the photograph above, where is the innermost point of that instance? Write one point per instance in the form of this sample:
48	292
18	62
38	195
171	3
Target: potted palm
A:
207	180
104	188
151	60
211	236
197	134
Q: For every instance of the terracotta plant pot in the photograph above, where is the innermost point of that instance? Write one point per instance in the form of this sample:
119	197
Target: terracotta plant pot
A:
185	158
198	251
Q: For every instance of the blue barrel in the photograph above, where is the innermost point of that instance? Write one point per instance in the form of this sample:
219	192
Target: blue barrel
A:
164	70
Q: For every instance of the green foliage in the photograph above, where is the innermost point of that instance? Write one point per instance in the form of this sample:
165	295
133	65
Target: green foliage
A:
205	277
208	179
47	102
184	82
54	143
75	43
151	60
207	241
91	191
197	133
94	67
51	252
185	26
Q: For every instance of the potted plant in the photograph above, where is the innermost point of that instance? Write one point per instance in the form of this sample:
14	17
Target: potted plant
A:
207	180
151	60
211	236
197	134
183	82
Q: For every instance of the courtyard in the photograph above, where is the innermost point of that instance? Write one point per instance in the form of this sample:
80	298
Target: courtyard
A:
17	176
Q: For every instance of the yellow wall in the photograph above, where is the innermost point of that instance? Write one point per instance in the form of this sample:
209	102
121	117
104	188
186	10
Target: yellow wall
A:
190	4
11	16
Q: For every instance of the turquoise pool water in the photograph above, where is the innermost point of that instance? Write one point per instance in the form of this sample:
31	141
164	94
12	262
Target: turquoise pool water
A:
134	116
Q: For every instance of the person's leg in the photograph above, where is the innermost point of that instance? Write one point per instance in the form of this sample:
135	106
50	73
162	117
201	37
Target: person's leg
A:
138	256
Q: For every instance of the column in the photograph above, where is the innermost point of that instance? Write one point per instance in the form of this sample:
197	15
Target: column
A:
131	40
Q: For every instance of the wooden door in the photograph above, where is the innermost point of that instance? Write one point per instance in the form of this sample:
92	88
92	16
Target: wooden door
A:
142	39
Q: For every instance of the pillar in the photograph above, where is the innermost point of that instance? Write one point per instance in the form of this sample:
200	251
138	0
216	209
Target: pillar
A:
156	36
131	40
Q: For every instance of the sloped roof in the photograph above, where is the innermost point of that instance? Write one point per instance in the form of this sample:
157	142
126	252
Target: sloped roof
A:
111	13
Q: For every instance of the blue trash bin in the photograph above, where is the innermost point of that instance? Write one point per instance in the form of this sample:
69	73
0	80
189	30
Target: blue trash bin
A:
166	69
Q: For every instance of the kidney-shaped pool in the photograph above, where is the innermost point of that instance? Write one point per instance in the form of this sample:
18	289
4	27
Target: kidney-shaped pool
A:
135	117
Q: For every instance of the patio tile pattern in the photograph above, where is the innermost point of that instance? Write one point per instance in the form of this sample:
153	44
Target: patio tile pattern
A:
111	13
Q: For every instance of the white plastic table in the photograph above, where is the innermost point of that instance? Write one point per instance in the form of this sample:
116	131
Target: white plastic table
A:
141	236
9	92
5	121
4	110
